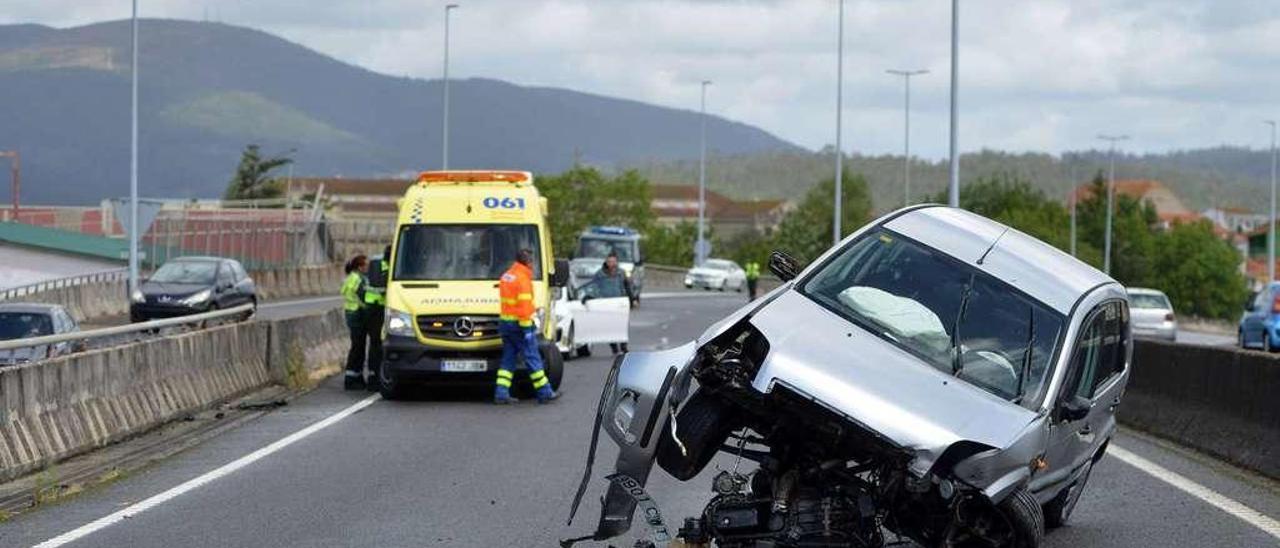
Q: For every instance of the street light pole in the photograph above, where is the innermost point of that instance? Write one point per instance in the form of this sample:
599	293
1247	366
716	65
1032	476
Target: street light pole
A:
1271	228
444	163
1111	196
906	132
839	180
953	188
133	156
700	247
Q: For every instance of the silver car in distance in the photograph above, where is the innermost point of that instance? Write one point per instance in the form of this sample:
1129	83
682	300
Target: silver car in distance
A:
937	376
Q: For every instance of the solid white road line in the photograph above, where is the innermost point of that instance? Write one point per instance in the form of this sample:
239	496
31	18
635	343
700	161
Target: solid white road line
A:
1245	513
225	470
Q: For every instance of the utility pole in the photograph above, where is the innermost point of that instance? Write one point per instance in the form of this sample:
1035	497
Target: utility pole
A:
906	132
953	187
1111	197
1071	200
700	247
444	163
1271	228
133	157
15	167
839	181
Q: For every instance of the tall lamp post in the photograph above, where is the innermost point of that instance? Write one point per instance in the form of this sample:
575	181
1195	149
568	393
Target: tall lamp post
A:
15	167
133	155
1111	196
906	131
1271	220
700	247
953	187
839	181
444	162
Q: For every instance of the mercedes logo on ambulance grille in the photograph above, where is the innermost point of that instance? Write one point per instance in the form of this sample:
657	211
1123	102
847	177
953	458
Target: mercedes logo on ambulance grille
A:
463	327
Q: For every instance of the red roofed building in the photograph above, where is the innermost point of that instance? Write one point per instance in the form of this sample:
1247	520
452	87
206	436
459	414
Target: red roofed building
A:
1169	208
673	204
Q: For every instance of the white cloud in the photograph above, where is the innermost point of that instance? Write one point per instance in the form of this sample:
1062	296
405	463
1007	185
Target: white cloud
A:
1042	75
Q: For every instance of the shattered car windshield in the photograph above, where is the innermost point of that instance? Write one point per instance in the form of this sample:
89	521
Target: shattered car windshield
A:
950	314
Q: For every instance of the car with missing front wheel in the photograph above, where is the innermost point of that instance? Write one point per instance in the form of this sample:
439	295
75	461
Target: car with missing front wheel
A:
192	285
937	376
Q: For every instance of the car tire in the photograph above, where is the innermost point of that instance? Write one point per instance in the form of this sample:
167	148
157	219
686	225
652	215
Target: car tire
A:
1026	517
555	369
584	351
388	385
1240	338
703	424
1058	510
1267	345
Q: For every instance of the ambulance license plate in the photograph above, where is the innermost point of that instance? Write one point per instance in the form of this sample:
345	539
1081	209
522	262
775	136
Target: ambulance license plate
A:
464	366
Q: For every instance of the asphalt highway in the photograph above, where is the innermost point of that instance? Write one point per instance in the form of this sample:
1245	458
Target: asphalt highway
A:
341	468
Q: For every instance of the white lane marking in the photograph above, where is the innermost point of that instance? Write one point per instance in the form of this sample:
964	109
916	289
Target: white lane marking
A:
1209	496
274	304
225	470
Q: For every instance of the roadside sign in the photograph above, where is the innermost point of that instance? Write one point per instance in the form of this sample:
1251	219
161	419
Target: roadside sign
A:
148	209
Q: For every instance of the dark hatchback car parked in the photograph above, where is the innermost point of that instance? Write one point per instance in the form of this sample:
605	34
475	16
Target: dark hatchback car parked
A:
191	285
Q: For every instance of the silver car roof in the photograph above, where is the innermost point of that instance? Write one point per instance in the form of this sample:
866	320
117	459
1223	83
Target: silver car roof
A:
29	308
1040	270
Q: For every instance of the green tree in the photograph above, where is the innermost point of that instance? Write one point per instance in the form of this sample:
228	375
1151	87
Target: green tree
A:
806	230
583	197
1014	201
1199	271
1133	237
672	245
252	179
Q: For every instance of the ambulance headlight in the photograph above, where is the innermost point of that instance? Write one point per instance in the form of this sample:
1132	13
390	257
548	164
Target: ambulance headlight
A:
399	323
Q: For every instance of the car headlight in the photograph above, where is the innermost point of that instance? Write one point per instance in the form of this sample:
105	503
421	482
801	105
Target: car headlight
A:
137	296
198	297
399	323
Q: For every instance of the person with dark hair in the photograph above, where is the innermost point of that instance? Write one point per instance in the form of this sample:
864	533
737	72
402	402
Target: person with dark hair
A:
611	281
353	289
519	337
375	302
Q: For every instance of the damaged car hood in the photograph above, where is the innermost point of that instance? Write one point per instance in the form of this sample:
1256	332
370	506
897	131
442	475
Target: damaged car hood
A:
880	386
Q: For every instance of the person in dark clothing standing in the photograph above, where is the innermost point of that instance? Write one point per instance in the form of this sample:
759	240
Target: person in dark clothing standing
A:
375	300
611	281
353	305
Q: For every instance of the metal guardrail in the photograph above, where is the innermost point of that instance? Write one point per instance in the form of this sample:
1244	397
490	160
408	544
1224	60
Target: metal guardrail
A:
71	281
123	329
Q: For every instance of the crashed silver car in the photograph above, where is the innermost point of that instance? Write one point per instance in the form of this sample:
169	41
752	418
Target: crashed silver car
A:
937	378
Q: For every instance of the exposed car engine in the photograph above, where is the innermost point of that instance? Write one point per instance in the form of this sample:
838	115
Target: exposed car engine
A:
820	480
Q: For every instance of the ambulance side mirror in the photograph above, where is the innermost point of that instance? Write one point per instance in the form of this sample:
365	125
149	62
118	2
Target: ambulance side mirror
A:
560	277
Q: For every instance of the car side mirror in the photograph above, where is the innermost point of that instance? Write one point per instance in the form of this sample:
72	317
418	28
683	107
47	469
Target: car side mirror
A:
784	266
1074	409
560	277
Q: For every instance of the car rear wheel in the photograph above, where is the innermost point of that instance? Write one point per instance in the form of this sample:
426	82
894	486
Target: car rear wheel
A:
584	351
1267	345
1240	338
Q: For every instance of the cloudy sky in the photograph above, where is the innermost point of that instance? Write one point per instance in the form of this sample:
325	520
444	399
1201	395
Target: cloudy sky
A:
1045	75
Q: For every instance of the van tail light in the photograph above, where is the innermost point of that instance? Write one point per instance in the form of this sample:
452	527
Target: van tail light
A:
1169	317
1275	305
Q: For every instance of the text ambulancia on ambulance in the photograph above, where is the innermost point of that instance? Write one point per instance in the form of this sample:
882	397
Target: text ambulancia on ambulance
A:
456	233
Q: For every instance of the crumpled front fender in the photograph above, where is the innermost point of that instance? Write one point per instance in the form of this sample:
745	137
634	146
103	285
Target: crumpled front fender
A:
639	394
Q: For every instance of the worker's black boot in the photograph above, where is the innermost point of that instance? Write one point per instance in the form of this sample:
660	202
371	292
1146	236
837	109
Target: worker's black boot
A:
352	381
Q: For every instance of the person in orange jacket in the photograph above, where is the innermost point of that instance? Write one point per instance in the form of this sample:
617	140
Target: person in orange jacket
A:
519	337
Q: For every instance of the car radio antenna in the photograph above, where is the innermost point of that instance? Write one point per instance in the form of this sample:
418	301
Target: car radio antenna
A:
993	245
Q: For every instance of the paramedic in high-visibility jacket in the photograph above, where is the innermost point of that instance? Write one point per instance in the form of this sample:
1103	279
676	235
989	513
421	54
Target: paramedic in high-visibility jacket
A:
519	337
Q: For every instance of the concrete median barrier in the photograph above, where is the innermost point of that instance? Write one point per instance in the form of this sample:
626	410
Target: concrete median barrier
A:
55	409
1221	401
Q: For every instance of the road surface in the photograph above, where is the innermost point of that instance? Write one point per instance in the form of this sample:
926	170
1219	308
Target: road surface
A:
460	472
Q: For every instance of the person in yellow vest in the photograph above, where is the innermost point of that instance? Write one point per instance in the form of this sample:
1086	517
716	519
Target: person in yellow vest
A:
375	302
353	290
753	279
519	338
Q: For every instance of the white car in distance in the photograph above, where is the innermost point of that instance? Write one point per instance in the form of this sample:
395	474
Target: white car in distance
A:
719	274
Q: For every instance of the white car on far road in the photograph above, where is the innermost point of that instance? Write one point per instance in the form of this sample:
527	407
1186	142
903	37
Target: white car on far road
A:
718	274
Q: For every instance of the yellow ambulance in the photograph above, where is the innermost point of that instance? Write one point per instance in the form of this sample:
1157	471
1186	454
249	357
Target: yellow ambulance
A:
456	233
